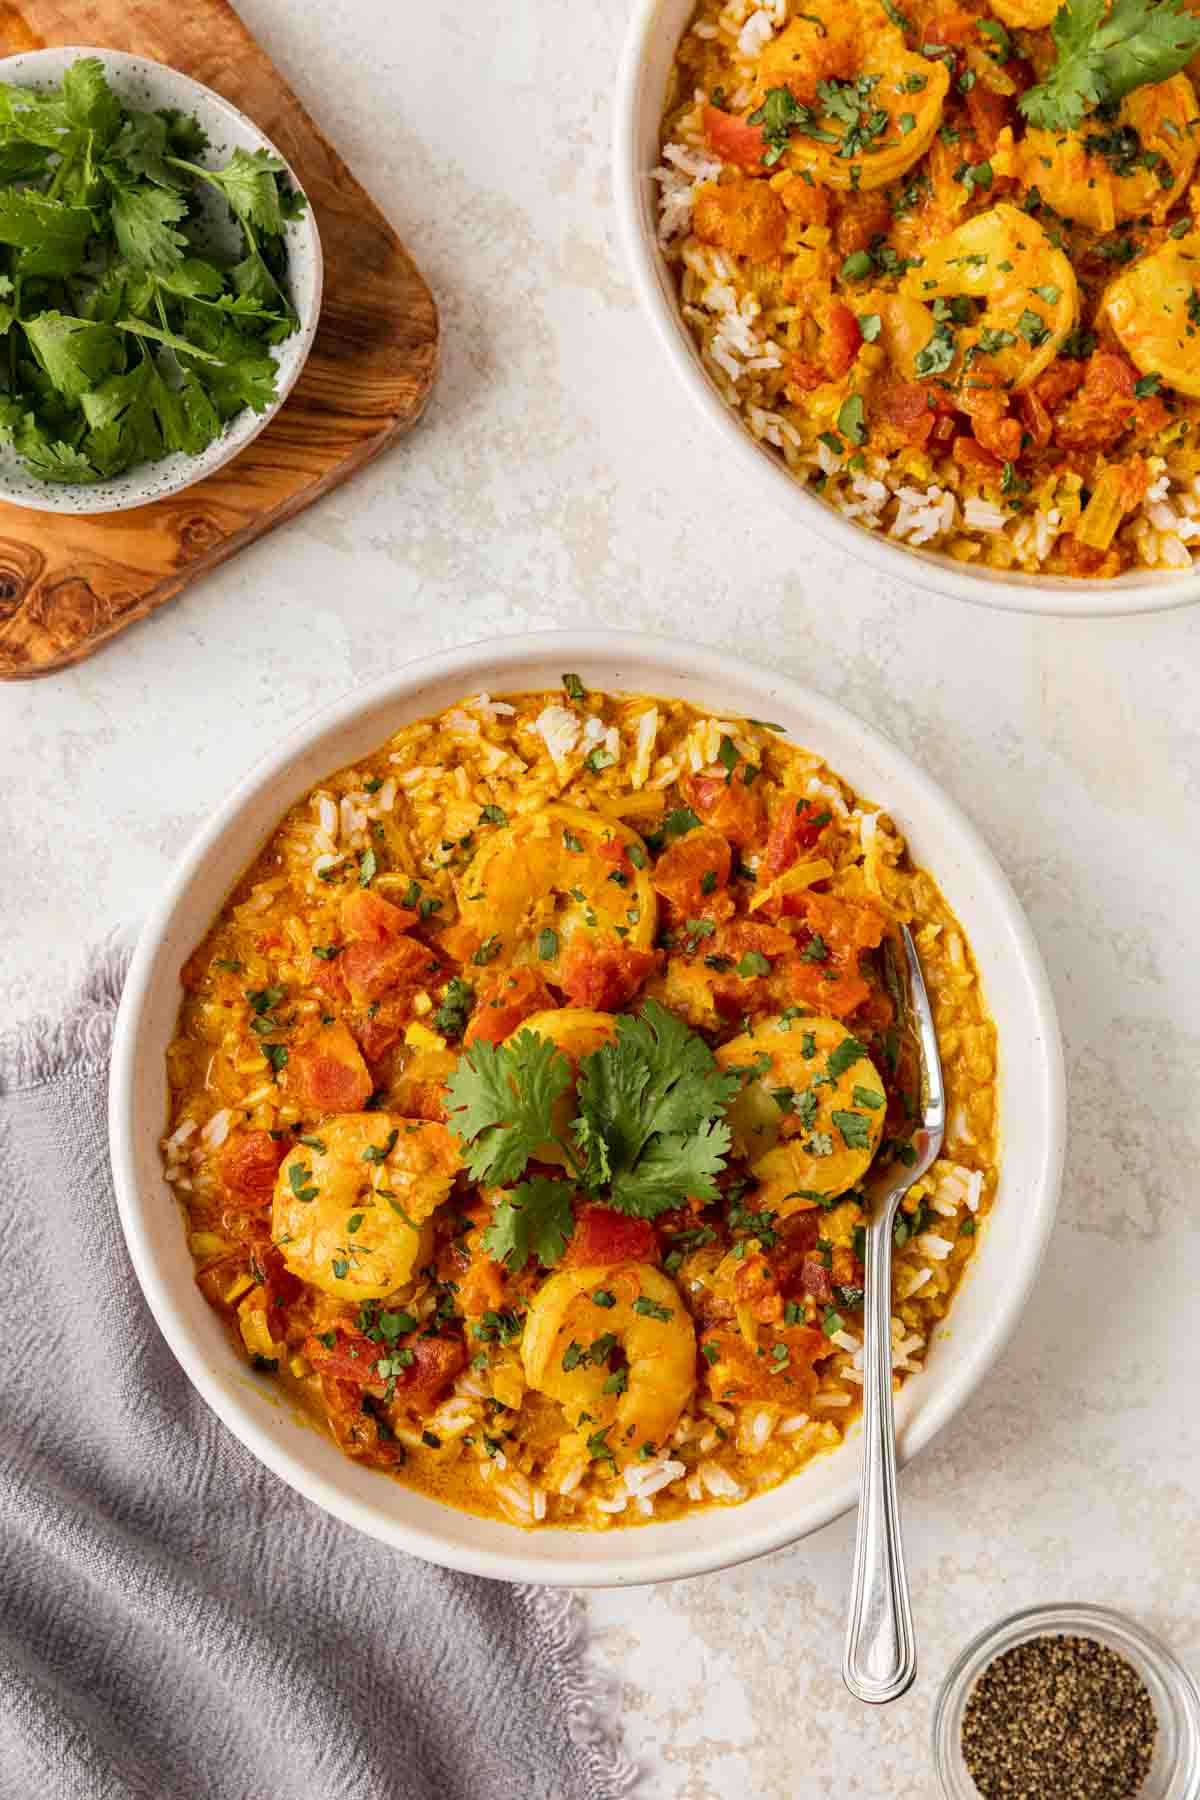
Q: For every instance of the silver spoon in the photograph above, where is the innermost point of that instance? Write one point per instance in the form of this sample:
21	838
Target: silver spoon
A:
881	1653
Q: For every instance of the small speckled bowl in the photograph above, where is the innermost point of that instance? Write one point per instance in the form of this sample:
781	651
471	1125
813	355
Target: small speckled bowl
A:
145	87
1175	1771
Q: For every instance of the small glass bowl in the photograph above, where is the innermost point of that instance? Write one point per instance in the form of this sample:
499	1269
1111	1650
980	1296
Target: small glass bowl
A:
1175	1771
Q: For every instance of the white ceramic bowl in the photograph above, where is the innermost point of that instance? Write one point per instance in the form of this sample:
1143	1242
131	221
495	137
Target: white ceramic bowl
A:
146	86
1010	1248
654	32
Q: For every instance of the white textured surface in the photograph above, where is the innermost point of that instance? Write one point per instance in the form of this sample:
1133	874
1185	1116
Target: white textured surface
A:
559	479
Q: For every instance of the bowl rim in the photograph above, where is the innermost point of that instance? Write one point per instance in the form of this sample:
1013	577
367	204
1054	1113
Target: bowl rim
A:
1147	591
242	430
496	660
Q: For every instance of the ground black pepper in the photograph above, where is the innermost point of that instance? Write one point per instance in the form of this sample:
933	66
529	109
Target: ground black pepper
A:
1059	1718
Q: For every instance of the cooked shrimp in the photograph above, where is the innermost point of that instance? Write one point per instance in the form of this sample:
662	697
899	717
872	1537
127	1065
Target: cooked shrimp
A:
551	875
577	1031
810	1118
614	1346
1138	165
877	106
1030	299
353	1204
1154	309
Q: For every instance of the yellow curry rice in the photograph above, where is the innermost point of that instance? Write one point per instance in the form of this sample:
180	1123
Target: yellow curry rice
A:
586	896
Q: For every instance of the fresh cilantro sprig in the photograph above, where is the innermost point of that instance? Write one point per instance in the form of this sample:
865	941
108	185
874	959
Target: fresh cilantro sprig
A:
501	1103
647	1134
1104	54
535	1219
650	1104
126	339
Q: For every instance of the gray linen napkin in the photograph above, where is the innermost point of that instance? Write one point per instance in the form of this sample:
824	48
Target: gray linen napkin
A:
174	1621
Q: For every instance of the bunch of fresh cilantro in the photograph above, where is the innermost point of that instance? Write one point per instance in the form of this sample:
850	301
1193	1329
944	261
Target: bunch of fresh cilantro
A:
1104	52
648	1132
121	338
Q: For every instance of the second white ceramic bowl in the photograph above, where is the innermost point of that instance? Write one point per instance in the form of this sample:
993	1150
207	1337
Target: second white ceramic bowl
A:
654	33
1031	1077
147	86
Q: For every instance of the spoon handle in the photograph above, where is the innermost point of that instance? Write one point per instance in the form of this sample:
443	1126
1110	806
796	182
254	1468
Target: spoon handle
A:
881	1654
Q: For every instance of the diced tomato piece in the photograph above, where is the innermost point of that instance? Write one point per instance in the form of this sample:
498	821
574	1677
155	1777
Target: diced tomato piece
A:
603	1237
816	1280
504	999
954	26
372	967
1002	437
381	1026
845	928
730	807
380	957
905	406
751	936
1106	406
368	915
437	1360
249	1164
357	1433
459	942
279	1284
989	114
798	1236
734	141
351	1357
984	398
842	340
329	1072
326	974
972	457
1063	376
423	1100
693	872
804	375
794	827
745	217
603	973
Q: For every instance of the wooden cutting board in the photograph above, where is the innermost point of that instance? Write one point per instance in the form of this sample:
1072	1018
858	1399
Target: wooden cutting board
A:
67	584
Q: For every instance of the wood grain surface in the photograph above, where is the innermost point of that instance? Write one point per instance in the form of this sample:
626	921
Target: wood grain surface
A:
67	584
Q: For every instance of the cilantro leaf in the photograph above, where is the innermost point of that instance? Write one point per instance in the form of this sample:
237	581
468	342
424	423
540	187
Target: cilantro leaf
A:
1105	54
248	184
88	101
501	1103
75	353
55	461
144	218
535	1219
50	235
647	1101
672	1168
